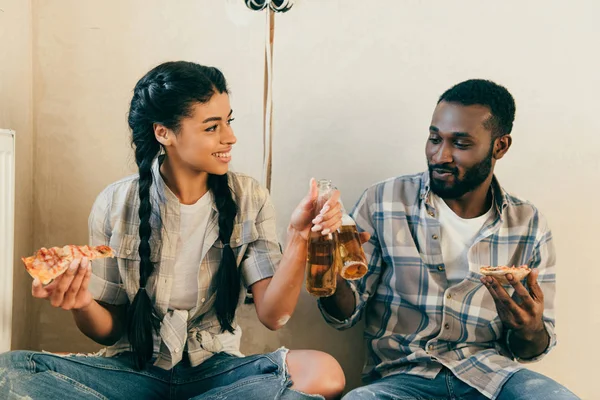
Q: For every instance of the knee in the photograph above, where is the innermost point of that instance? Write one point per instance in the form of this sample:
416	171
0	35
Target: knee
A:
360	393
315	372
14	360
330	380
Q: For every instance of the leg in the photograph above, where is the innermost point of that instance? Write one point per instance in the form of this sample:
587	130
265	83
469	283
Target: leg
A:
258	377
315	372
528	385
33	375
402	387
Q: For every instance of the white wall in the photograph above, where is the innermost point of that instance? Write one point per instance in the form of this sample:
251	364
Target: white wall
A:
355	86
355	89
16	113
89	56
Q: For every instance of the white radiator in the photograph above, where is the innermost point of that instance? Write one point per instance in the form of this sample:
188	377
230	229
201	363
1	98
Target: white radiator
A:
7	221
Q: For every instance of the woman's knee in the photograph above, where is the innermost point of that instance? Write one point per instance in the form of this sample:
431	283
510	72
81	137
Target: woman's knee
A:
316	372
15	360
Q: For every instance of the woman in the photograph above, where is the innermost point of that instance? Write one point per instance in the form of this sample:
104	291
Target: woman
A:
186	233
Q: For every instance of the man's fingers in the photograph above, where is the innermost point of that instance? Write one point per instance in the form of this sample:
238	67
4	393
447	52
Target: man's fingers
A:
502	298
521	291
534	287
364	237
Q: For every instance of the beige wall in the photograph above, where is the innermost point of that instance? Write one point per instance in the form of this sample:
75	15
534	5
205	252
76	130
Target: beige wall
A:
16	113
351	83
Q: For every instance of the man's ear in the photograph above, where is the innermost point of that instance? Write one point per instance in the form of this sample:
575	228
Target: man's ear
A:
501	146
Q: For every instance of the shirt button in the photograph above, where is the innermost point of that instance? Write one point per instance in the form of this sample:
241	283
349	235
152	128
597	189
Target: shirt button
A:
128	251
177	349
430	348
203	300
446	326
440	267
448	296
431	214
434	237
237	240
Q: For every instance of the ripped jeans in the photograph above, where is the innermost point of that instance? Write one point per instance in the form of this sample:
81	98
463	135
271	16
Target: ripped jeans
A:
38	376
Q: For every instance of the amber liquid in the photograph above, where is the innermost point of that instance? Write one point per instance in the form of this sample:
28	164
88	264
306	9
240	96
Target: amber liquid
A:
321	266
352	255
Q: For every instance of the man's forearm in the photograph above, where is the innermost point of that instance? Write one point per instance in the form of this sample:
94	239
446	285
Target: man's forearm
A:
342	303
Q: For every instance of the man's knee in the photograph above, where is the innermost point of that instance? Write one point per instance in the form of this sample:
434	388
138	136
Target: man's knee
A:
363	393
529	385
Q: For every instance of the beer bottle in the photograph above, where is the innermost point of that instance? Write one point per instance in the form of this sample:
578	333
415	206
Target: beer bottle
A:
352	256
322	261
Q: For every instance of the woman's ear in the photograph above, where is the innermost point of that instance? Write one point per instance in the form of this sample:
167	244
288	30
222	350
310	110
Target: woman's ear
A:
163	135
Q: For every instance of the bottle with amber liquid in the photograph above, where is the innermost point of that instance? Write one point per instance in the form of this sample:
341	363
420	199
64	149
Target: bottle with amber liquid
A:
352	256
322	259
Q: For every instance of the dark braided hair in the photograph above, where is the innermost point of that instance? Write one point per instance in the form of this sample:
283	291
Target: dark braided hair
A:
165	96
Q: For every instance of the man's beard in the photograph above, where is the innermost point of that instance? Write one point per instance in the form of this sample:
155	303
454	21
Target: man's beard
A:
472	179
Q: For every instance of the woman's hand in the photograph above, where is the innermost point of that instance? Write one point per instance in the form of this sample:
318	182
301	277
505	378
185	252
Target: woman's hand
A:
328	219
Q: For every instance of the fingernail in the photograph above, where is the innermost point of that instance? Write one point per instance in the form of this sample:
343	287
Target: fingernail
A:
326	231
317	220
73	266
36	282
316	228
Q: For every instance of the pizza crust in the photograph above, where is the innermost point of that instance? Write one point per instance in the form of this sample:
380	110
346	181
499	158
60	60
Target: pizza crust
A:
48	264
519	273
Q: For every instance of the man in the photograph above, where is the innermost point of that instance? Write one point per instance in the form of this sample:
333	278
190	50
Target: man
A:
435	327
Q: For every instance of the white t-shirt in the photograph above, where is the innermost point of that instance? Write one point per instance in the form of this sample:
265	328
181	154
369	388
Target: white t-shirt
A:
457	237
192	228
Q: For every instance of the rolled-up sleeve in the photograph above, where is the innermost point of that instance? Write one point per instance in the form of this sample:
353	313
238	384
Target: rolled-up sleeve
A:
544	259
263	255
105	283
365	287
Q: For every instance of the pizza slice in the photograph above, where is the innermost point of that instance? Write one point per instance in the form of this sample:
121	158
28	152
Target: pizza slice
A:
48	264
499	272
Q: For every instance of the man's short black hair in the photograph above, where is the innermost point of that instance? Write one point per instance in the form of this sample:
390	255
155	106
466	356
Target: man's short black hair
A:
488	94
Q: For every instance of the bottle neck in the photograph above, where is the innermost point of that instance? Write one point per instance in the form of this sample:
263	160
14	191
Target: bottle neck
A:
347	219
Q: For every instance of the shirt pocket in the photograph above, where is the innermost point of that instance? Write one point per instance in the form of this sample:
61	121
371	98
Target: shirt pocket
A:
243	234
126	247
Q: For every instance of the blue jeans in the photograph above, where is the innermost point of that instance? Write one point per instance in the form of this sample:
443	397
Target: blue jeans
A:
34	375
523	385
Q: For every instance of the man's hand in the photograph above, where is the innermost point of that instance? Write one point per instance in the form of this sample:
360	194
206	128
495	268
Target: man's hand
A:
524	316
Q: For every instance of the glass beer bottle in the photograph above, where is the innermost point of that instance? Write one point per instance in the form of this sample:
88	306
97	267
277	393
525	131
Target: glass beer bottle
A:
352	256
322	260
